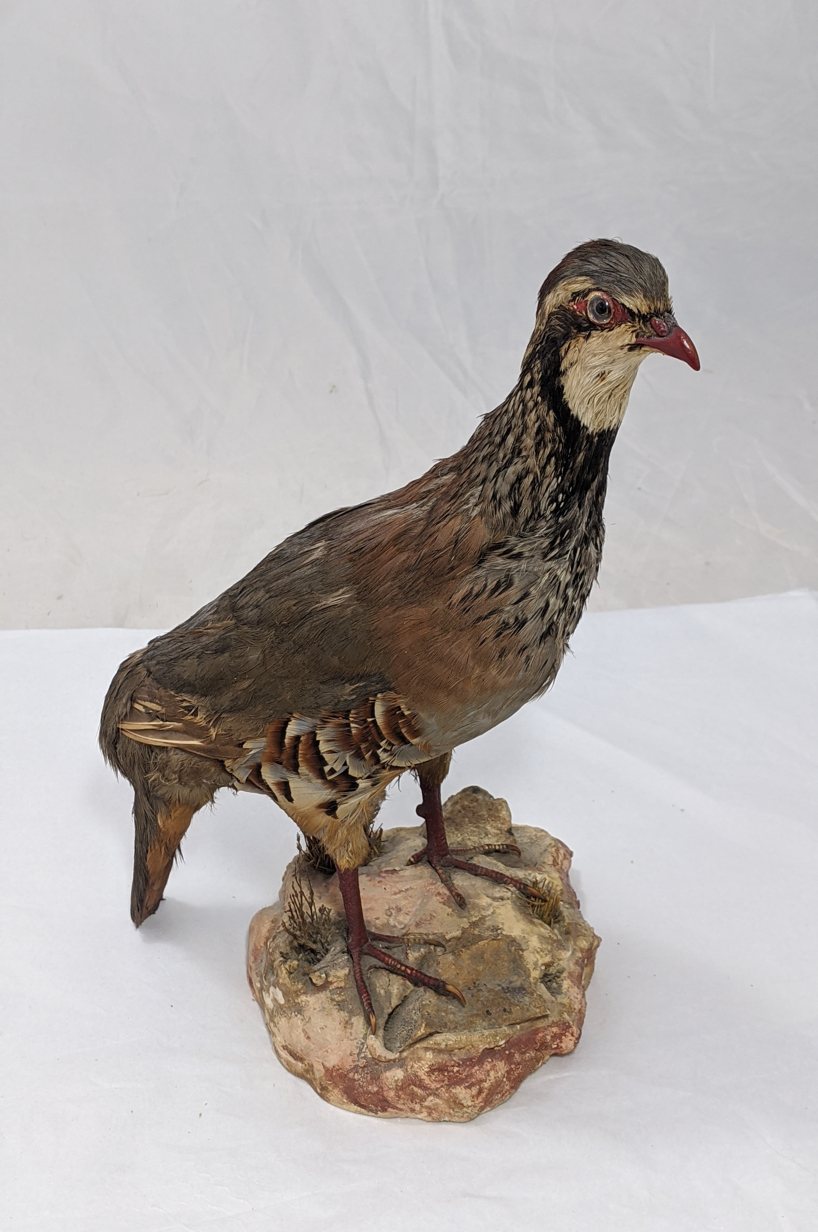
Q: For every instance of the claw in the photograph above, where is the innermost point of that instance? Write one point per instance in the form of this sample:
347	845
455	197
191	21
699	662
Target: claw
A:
444	989
412	974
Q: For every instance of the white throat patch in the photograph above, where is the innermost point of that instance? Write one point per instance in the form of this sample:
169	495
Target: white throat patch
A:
597	375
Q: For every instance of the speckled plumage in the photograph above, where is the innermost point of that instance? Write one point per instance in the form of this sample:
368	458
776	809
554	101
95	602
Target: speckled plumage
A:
380	637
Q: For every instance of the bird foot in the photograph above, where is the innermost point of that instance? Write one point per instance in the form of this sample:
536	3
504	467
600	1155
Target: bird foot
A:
441	865
387	963
360	946
442	862
442	857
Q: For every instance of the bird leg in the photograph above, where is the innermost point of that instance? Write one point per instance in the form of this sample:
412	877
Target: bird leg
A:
441	857
360	945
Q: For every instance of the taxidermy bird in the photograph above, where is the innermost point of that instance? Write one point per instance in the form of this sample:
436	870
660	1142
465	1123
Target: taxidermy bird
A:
380	637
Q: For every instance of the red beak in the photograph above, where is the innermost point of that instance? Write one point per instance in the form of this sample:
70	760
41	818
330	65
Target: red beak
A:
671	339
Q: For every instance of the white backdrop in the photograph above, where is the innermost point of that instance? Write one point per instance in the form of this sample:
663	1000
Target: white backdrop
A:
259	258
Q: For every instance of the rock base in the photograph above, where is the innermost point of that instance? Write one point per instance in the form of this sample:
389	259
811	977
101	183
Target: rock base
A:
523	974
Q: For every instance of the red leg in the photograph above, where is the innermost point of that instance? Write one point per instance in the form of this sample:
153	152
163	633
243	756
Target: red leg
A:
361	945
438	853
436	850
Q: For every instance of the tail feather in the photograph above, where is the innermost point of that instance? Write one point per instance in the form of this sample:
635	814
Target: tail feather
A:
158	830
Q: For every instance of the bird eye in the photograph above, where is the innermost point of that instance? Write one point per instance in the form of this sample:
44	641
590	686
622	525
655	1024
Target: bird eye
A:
600	309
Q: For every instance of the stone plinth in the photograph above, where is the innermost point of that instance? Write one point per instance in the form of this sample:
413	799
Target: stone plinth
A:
523	977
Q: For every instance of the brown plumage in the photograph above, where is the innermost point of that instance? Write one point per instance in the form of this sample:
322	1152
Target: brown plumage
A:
380	637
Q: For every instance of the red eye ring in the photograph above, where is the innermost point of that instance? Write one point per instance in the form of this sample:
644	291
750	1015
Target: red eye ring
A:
601	309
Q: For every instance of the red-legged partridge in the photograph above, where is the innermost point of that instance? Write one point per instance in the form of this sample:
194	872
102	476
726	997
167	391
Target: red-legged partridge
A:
380	637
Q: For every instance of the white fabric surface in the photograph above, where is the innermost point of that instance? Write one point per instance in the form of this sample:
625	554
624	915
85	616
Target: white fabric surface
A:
677	757
260	258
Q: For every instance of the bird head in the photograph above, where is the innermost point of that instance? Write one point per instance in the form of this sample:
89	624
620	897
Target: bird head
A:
601	312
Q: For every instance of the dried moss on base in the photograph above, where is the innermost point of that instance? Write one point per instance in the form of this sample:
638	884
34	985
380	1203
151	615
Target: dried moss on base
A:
314	930
547	910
